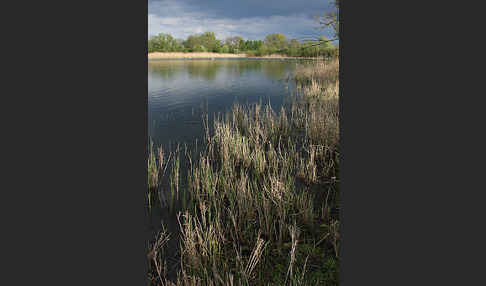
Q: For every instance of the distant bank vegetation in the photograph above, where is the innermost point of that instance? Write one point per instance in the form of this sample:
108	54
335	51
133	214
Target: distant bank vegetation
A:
272	44
192	55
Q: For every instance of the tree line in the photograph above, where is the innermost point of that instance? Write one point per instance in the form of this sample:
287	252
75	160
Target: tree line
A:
272	44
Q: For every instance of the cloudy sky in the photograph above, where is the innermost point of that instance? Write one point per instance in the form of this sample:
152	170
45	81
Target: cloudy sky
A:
250	19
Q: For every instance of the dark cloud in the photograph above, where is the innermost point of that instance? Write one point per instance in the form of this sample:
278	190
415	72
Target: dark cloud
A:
260	8
254	8
251	19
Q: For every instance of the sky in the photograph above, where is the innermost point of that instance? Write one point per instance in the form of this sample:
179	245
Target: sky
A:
250	19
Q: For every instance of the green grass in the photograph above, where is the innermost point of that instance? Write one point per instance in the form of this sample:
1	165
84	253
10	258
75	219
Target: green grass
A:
261	198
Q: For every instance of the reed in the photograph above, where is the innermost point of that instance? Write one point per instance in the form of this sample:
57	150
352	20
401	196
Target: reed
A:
152	168
261	195
156	255
323	72
157	164
174	180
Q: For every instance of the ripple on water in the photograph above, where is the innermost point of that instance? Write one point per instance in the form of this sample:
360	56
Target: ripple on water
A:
179	91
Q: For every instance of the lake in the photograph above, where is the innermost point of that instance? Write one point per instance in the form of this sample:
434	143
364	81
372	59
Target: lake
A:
179	91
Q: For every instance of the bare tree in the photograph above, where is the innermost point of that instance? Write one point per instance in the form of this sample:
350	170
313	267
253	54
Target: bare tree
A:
329	19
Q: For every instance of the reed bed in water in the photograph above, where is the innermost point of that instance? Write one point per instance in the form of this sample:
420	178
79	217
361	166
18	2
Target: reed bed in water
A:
262	204
325	73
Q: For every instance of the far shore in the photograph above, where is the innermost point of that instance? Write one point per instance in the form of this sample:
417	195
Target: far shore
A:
159	55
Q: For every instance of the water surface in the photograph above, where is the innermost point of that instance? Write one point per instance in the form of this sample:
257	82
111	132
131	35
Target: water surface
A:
180	90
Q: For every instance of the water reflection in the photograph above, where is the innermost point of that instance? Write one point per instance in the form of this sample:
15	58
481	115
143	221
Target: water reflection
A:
208	69
179	90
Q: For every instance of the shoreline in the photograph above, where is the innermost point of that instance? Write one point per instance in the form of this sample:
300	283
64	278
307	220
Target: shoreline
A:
209	56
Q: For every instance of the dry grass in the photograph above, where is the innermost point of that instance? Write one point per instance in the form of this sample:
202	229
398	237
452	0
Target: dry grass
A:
324	73
156	255
261	195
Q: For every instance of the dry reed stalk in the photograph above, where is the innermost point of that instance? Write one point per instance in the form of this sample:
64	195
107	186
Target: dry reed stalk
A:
255	257
294	233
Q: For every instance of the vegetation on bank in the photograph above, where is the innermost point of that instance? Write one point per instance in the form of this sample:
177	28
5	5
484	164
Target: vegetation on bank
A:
259	205
272	44
192	55
208	55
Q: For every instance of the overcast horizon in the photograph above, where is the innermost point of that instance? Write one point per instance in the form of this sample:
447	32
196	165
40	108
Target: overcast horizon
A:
250	19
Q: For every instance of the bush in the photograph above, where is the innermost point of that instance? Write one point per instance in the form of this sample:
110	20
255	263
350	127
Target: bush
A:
200	49
251	53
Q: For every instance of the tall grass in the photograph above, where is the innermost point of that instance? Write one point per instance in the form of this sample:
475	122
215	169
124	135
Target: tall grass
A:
156	257
323	72
263	194
174	179
157	164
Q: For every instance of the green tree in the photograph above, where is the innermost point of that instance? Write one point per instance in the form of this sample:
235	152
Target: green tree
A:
309	49
225	49
206	41
294	48
151	46
191	43
275	42
250	45
163	43
209	41
200	49
235	44
324	43
262	51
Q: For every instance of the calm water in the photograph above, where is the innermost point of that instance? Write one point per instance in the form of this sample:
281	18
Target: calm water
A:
180	90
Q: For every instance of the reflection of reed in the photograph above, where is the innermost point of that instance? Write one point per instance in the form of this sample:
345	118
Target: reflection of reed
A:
205	69
209	69
272	69
198	69
165	70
